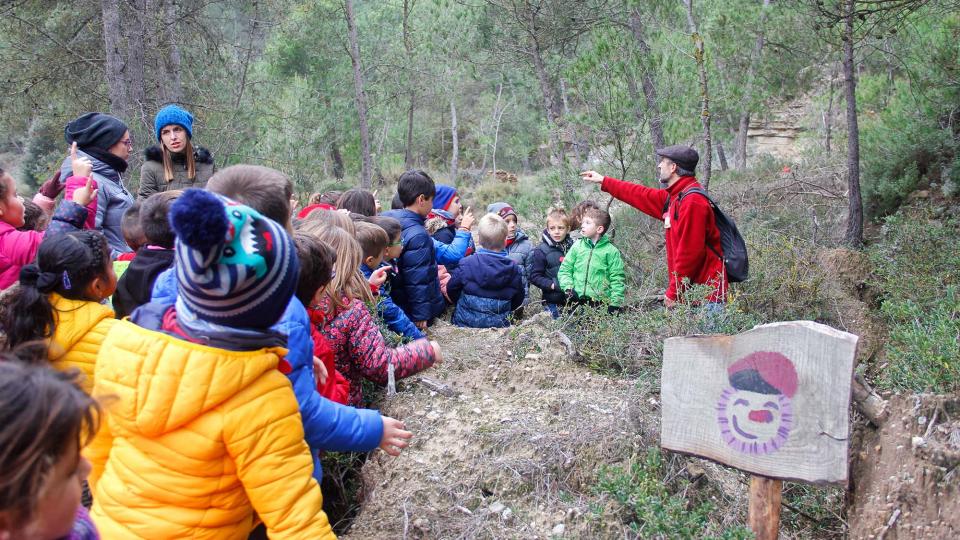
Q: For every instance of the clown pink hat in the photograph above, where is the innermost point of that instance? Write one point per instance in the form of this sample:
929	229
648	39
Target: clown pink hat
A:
764	372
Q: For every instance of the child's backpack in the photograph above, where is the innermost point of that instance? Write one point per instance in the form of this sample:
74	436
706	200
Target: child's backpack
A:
735	260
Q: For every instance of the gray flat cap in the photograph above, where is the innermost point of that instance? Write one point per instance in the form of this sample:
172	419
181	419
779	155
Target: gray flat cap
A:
682	155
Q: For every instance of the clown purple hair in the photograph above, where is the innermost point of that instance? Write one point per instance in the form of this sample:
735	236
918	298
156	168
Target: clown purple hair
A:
234	266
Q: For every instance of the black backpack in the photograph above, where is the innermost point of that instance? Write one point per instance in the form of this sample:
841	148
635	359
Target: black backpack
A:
735	260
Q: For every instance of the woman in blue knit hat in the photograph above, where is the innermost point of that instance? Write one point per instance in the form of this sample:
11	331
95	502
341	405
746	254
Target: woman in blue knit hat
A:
175	163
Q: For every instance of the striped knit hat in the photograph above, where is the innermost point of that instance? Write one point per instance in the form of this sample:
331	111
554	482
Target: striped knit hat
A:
234	266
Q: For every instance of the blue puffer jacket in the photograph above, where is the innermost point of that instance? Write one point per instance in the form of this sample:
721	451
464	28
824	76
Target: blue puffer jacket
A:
487	288
394	317
327	425
416	288
450	253
449	244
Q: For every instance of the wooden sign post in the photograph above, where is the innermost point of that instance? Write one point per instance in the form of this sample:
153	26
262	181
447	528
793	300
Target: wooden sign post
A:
773	401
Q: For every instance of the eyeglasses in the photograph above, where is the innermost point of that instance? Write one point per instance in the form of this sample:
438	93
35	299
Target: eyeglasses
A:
128	143
395	244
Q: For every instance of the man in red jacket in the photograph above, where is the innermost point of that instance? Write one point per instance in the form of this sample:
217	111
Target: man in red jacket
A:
689	227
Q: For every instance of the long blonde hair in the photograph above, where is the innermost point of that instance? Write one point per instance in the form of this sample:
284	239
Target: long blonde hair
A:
349	284
168	161
330	218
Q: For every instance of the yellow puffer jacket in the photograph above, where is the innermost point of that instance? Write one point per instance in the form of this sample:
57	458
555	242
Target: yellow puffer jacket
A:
195	440
80	329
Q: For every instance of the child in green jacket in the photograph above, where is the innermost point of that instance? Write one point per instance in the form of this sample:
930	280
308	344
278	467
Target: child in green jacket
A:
592	271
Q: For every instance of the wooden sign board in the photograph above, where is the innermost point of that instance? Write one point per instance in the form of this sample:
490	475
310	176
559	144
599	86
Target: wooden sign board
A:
773	401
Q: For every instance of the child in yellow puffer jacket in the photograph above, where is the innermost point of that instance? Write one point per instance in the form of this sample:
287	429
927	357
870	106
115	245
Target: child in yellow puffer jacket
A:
58	300
201	432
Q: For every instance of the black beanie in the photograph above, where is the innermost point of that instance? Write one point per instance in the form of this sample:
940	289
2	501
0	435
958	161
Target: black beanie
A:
95	130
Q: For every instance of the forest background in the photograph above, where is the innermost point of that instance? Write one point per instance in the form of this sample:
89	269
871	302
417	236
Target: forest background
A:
857	229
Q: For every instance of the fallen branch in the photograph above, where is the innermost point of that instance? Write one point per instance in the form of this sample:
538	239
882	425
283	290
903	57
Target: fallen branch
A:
438	387
870	405
567	344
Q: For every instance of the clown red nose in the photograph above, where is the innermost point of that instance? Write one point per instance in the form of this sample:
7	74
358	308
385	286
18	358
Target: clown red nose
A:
761	416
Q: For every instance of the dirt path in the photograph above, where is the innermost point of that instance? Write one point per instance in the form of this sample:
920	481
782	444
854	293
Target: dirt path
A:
508	456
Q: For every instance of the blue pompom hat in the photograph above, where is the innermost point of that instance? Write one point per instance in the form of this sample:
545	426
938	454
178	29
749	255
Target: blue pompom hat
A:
171	114
234	266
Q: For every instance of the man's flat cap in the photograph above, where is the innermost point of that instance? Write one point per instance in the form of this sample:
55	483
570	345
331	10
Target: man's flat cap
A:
684	156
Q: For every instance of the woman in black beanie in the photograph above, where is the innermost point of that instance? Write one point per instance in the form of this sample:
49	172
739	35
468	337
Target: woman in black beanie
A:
105	141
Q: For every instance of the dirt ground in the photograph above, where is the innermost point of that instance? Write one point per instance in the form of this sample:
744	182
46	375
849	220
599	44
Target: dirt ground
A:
495	459
905	480
514	450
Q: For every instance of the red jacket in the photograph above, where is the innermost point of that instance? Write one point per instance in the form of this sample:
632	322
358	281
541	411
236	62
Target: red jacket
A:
336	388
687	235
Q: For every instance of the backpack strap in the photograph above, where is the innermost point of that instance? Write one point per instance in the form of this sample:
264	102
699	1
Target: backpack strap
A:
676	210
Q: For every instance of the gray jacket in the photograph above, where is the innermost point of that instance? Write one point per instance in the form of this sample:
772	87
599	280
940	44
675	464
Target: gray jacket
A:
113	199
521	252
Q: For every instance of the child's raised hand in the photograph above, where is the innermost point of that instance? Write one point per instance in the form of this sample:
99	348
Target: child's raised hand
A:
379	276
467	219
319	372
592	176
85	194
82	167
395	437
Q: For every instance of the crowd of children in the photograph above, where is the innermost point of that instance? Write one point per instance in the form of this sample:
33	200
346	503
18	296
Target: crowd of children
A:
195	393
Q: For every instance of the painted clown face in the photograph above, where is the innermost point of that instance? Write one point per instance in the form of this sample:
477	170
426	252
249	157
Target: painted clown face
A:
755	414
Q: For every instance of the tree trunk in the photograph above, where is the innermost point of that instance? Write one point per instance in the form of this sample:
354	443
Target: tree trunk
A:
722	156
135	59
704	94
740	154
412	93
114	57
366	165
854	234
173	88
549	99
496	128
828	116
649	89
337	158
455	142
574	136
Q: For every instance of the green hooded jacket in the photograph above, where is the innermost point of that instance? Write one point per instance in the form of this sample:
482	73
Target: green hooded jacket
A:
594	271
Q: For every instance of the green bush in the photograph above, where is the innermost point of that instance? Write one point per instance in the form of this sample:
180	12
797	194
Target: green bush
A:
643	501
917	277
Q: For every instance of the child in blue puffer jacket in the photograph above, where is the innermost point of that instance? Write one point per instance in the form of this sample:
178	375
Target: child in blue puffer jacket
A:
488	286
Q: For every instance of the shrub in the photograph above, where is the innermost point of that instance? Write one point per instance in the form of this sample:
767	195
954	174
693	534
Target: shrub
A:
643	500
917	275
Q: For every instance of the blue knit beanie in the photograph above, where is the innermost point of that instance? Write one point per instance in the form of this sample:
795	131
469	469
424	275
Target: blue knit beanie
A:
171	114
445	195
234	266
